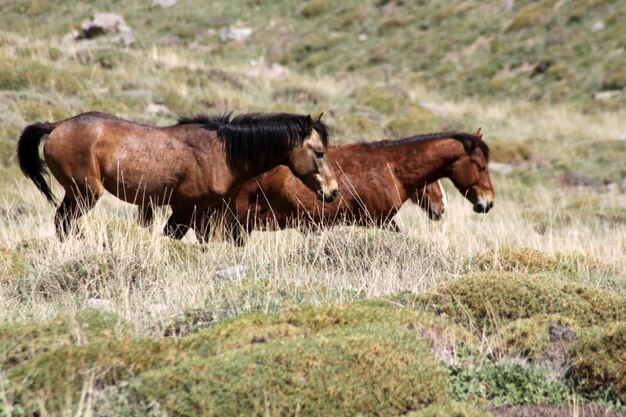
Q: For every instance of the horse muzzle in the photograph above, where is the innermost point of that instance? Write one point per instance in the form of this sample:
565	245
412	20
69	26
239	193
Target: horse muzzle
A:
436	213
483	206
326	197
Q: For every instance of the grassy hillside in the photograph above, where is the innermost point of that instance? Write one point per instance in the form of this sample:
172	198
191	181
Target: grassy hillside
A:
539	50
519	310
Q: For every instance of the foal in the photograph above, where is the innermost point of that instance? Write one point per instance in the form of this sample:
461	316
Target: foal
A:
190	166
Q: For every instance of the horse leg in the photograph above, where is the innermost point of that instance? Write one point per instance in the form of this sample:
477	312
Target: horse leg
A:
179	222
392	226
65	217
227	216
238	232
202	225
74	206
145	216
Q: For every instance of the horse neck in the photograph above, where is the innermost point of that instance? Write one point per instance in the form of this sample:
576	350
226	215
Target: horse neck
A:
245	174
420	162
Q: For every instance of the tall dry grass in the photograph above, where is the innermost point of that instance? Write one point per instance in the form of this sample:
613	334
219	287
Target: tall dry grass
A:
148	279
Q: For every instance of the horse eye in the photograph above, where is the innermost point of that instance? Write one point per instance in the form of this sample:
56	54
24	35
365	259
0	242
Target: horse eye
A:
319	154
481	168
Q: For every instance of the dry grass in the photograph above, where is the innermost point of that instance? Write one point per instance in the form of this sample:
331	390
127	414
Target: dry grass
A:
147	278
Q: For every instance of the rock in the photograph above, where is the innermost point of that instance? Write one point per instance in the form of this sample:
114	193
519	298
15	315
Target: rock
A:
103	23
623	135
500	167
123	39
235	34
235	271
163	3
597	26
606	95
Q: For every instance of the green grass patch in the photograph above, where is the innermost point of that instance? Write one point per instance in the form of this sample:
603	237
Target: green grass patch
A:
412	120
507	383
487	300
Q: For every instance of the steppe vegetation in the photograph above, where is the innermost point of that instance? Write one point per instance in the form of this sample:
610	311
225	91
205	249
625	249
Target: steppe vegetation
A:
518	310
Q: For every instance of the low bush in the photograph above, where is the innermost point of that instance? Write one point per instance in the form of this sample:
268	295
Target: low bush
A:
487	300
599	362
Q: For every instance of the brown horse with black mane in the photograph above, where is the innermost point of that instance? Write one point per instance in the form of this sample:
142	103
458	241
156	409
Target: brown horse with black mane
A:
190	166
375	179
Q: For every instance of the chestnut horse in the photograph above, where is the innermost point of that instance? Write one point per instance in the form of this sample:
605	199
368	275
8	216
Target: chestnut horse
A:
190	166
432	199
375	180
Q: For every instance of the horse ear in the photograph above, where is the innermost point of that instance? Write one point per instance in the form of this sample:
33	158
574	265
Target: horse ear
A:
319	118
308	124
477	138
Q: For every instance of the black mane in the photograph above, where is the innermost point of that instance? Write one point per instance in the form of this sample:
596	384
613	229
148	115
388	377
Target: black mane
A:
251	138
463	137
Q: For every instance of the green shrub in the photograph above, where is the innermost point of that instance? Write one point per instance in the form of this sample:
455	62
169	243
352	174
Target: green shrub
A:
508	259
511	152
485	300
247	329
22	340
40	109
55	378
530	338
599	362
508	383
531	261
390	22
313	8
529	16
382	99
614	80
22	75
356	126
375	369
367	358
413	120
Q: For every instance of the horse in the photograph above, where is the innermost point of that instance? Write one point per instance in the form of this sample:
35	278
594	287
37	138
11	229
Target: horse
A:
432	199
375	179
190	166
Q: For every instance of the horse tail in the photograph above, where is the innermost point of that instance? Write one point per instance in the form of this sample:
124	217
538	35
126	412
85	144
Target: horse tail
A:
28	156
